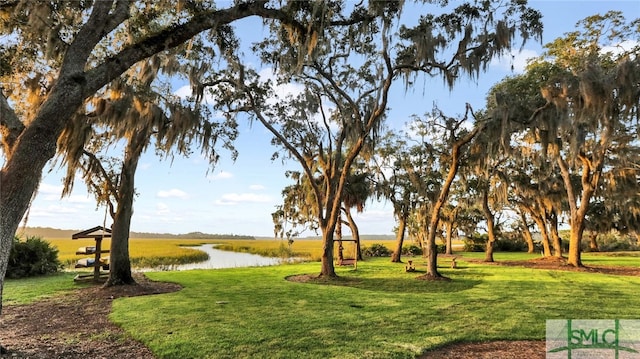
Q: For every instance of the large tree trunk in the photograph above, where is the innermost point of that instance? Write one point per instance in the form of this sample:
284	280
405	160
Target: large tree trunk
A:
555	236
402	228
432	251
488	256
328	228
589	181
327	269
577	228
119	263
526	232
20	176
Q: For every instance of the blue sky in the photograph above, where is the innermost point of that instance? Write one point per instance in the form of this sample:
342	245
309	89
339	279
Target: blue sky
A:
238	197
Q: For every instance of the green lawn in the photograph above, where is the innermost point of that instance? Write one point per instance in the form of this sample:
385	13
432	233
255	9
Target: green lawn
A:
25	291
378	311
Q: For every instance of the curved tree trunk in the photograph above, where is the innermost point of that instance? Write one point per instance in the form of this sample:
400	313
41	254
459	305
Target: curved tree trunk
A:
526	232
328	228
26	158
488	257
402	228
591	171
355	233
327	268
546	245
120	264
593	243
432	262
555	237
432	251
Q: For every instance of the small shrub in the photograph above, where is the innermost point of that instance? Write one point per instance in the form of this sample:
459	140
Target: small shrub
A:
32	257
376	250
610	242
475	243
412	250
510	245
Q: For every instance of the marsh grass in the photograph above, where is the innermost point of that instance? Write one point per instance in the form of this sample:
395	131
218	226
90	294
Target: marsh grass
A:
144	253
378	311
309	249
151	253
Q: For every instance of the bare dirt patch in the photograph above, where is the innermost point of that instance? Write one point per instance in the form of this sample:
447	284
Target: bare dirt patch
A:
75	325
499	349
560	263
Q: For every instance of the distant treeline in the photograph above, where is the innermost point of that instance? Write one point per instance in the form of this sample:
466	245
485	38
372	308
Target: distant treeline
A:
364	237
47	232
191	235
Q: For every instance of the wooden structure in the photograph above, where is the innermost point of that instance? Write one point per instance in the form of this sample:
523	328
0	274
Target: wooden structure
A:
410	267
341	261
97	261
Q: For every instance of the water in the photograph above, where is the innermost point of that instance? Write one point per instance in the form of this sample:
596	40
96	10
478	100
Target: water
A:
223	259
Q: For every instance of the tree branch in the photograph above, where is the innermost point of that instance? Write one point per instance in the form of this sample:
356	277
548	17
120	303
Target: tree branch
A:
10	126
93	159
177	35
99	23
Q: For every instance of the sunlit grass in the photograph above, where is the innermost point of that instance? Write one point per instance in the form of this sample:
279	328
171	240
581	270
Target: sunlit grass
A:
143	252
378	311
28	290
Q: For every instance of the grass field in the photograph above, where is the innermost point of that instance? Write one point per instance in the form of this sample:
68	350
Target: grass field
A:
378	311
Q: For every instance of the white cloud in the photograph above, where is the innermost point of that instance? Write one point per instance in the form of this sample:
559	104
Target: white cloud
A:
220	175
53	193
173	193
617	49
257	187
235	198
75	198
185	91
281	91
51	211
162	208
515	62
46	188
373	216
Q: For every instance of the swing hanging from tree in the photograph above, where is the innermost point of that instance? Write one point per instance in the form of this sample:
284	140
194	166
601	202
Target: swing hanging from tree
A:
341	261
